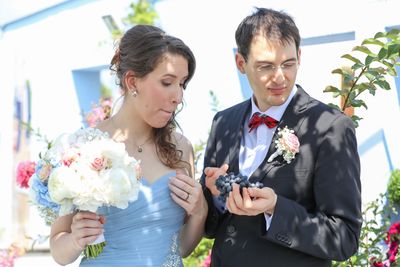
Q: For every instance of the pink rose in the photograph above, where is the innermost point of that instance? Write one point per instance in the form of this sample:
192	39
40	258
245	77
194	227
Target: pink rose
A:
44	172
99	163
291	142
70	156
25	170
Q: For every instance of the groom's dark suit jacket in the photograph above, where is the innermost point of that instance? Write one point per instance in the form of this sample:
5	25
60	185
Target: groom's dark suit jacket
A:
317	217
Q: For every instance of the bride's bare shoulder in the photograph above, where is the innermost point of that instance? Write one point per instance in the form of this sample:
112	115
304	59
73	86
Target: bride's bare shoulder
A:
105	126
181	142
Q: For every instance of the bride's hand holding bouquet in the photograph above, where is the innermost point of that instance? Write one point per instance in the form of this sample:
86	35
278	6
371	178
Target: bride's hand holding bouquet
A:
86	228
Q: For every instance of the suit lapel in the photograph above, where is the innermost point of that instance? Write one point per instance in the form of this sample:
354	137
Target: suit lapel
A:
236	123
293	119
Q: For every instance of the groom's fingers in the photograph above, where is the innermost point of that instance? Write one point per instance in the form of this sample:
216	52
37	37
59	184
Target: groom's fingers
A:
212	173
215	172
234	202
237	197
248	204
224	167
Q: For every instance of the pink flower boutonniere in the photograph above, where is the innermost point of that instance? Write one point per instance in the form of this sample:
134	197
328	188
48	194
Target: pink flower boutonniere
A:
286	145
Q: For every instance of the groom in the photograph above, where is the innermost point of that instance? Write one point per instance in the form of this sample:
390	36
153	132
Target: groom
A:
309	211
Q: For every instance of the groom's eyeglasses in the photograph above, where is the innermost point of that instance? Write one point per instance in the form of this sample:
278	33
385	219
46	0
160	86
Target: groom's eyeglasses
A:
270	69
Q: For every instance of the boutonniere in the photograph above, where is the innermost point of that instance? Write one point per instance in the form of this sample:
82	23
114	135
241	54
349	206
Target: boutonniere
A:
286	145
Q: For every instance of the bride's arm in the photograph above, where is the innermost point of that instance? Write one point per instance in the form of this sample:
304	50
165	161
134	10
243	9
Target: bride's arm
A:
193	229
188	193
71	233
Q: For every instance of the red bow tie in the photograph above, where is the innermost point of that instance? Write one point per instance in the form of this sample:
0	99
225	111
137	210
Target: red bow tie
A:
259	118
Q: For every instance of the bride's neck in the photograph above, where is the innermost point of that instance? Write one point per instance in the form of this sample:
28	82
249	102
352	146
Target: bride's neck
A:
130	126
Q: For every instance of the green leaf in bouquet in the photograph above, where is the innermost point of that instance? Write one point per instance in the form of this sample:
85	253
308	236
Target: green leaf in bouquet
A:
92	251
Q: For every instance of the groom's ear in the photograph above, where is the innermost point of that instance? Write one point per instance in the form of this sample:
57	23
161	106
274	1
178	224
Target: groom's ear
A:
240	62
299	56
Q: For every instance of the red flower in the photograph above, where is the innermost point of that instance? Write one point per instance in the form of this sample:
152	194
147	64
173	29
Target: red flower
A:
25	170
207	261
392	239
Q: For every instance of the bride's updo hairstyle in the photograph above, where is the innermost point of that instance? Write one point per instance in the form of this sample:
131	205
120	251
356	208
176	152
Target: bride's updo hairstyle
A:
141	49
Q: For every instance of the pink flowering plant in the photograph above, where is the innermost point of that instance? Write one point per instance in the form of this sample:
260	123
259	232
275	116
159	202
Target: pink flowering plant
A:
201	256
99	112
287	145
392	240
8	255
25	170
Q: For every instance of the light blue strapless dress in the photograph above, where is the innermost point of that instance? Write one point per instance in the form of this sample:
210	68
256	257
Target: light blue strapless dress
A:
144	234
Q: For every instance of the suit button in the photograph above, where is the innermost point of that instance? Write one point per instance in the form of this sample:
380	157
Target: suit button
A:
230	230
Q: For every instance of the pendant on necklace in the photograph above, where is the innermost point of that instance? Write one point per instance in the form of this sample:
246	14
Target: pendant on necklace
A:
139	149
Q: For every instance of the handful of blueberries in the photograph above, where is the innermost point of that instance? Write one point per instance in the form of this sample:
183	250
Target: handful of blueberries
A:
224	184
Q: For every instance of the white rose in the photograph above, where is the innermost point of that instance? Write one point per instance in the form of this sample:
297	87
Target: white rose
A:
121	187
64	184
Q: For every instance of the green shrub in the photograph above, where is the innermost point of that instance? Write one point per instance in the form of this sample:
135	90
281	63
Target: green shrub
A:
393	189
199	254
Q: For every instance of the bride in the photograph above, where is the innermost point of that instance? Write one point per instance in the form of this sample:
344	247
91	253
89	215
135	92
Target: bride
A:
166	222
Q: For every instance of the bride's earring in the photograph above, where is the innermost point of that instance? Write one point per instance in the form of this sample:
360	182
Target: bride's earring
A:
133	93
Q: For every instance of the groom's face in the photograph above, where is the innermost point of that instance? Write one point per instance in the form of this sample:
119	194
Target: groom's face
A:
271	69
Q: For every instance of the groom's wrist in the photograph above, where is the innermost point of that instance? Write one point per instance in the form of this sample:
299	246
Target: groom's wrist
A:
271	209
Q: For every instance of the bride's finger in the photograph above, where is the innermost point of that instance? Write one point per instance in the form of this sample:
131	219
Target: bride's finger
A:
185	179
181	202
181	184
181	193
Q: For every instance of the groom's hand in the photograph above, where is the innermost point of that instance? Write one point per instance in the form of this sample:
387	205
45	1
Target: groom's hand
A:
212	173
252	201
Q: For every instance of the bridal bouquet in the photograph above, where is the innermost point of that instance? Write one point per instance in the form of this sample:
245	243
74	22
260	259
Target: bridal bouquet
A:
83	171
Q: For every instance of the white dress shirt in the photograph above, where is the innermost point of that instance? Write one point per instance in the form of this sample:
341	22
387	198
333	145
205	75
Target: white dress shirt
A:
254	145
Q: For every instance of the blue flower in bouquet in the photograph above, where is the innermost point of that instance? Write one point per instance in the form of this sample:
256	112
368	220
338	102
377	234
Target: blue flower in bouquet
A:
42	196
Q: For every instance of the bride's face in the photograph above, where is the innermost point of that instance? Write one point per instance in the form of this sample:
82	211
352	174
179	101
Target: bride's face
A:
161	91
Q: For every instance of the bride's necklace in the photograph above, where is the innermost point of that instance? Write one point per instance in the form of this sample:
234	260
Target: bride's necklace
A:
139	148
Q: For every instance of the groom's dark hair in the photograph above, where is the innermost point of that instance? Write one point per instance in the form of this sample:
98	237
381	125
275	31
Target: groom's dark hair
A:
274	25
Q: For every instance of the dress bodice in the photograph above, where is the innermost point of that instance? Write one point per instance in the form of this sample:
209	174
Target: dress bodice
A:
146	232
